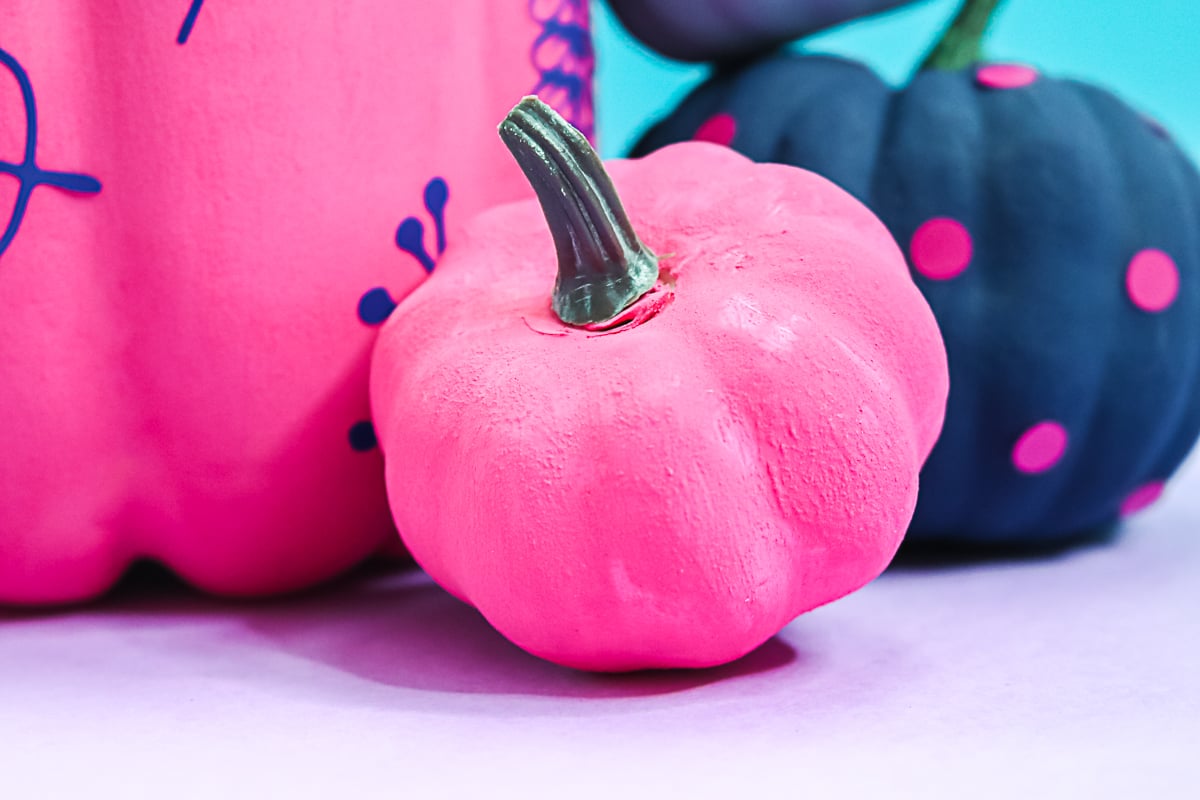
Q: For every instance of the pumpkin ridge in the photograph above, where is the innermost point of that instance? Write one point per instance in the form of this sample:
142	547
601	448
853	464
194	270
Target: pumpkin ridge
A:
1184	413
1037	494
1110	342
888	197
1189	298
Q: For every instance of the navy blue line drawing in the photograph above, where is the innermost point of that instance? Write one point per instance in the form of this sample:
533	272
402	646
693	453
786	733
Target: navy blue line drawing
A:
562	55
376	305
28	173
189	22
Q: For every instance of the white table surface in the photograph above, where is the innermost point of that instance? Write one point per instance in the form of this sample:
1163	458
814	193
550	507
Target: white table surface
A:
1061	676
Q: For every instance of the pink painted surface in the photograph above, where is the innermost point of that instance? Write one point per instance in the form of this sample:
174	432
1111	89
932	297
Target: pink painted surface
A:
670	494
941	248
1005	76
1142	498
1066	675
182	363
1040	447
718	129
1152	280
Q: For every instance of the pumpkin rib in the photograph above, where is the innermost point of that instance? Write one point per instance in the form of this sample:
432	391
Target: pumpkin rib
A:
1167	453
892	180
1189	298
972	331
852	80
1109	348
1040	110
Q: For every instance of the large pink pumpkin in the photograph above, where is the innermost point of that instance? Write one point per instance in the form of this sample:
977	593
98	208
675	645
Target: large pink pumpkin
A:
208	206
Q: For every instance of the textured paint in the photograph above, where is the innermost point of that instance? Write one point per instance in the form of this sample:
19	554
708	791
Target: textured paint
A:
184	351
1081	298
673	491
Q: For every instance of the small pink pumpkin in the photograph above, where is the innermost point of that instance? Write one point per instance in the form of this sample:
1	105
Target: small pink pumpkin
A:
668	459
206	207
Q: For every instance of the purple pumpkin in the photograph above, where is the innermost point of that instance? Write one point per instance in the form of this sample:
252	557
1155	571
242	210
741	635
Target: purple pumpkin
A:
715	30
1055	232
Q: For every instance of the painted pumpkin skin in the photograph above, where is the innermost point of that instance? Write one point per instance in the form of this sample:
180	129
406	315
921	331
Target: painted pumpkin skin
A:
713	30
673	491
207	208
1055	233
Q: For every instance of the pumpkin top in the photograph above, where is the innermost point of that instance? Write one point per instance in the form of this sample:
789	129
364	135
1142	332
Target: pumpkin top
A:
755	257
603	266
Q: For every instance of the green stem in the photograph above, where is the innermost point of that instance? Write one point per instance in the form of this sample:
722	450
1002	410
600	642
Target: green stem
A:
603	267
962	43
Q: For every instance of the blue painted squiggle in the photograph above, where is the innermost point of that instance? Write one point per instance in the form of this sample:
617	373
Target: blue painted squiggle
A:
376	304
28	173
410	236
189	22
562	55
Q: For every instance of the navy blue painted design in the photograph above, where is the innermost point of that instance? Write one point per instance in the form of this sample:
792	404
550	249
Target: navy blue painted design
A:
1059	184
437	194
362	437
376	305
28	173
562	55
189	22
410	236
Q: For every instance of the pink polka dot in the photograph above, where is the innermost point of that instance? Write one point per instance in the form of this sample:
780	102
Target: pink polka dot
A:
1141	497
718	129
1040	447
941	248
1005	76
1152	280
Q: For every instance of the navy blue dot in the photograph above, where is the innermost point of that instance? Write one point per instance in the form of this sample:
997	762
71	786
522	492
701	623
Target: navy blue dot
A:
362	436
410	237
375	306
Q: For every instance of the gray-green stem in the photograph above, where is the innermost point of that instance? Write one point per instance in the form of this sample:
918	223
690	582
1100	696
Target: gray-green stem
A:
962	43
603	267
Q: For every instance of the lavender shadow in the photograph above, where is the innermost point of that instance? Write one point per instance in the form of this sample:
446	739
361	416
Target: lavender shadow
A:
404	631
396	628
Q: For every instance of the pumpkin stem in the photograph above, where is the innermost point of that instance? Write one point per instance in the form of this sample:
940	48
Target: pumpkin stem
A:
603	267
962	43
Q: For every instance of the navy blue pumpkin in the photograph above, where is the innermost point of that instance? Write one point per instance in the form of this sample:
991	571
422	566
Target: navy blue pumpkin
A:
1056	234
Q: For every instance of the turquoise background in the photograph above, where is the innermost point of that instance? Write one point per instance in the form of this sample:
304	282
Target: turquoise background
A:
1147	51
